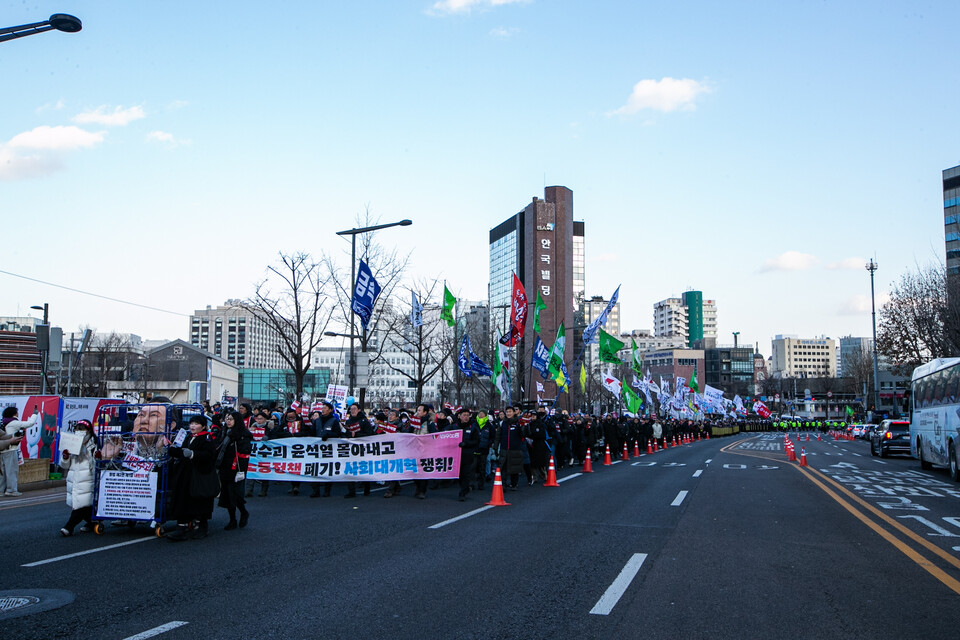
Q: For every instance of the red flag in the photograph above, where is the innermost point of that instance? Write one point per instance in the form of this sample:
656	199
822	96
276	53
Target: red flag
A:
518	314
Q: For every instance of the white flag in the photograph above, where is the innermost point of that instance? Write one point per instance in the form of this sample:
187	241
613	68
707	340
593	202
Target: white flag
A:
611	384
416	311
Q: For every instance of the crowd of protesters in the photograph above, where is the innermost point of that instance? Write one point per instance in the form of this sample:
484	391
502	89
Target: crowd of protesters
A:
210	462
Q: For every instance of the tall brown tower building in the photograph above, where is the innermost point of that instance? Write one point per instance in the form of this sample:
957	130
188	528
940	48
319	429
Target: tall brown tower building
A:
544	246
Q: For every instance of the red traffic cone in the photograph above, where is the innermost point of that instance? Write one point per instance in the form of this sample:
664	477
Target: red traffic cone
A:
649	447
803	457
587	465
808	437
636	448
708	435
551	475
698	436
819	439
496	497
626	453
673	443
656	445
606	456
791	454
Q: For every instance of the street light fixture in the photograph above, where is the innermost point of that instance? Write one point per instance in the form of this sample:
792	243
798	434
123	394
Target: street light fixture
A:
58	21
353	233
44	352
872	266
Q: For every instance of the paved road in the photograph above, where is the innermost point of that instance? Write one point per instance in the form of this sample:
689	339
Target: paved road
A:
717	539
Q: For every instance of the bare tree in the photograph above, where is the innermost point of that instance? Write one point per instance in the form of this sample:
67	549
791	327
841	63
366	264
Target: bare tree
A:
387	266
918	323
425	346
858	371
110	357
291	300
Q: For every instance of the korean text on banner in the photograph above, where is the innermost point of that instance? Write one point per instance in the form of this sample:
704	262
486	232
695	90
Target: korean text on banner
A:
397	456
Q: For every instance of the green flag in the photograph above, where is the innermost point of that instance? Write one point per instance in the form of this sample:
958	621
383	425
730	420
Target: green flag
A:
609	346
583	378
540	306
848	410
637	359
448	302
556	353
693	382
631	399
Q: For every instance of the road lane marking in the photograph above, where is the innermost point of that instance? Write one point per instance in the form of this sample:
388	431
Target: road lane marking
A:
708	461
570	477
696	474
149	633
87	552
676	501
617	461
880	462
460	517
31	501
904	548
615	591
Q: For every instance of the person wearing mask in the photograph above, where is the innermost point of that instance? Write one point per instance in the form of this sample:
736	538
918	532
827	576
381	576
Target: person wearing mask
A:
357	426
193	480
79	468
421	423
233	455
468	446
259	430
326	426
511	447
9	465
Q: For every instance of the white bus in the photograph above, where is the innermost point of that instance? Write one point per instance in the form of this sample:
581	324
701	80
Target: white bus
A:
935	420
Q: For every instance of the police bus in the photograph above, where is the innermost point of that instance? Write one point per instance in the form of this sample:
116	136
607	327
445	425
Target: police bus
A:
935	418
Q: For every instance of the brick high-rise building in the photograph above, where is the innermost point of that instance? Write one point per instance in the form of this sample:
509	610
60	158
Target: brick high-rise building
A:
543	245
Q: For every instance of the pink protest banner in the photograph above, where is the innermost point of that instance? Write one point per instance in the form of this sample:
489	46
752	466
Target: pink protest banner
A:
397	456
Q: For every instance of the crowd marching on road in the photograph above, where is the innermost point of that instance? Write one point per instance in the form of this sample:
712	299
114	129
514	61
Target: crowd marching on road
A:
210	461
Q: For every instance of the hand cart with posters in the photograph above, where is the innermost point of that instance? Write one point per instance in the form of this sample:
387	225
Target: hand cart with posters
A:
131	471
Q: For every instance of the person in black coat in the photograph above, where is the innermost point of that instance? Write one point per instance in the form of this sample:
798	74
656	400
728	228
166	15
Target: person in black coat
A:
468	446
191	472
326	426
357	426
233	455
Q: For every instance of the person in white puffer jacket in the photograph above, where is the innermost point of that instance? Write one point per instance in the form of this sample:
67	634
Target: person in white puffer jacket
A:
79	468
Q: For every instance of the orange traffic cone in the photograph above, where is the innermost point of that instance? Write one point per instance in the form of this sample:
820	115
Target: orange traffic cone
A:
708	435
626	453
698	436
673	443
587	465
649	447
808	437
656	445
551	475
636	448
819	439
803	457
791	454
606	456
496	497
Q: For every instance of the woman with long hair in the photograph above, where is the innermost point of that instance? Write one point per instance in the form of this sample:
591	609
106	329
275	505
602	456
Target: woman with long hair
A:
233	455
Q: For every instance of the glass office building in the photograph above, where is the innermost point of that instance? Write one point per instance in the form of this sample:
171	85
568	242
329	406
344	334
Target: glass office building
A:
278	385
951	218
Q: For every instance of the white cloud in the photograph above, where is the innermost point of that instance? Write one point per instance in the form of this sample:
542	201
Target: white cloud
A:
55	138
504	32
848	264
51	106
119	117
466	6
18	166
666	95
177	104
859	304
790	261
39	152
166	138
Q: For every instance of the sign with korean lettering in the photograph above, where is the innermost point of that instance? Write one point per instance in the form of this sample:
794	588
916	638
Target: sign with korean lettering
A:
365	294
396	456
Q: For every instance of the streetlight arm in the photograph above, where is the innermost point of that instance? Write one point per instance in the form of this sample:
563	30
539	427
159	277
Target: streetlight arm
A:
353	232
58	21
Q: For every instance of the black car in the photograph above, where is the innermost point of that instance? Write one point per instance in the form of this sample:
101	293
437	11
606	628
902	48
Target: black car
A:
892	436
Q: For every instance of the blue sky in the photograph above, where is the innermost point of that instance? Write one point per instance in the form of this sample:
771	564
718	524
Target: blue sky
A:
759	152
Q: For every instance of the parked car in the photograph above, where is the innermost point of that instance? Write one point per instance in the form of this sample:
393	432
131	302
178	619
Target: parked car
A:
892	436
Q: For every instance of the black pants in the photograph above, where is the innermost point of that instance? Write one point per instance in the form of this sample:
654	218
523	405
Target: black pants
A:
421	487
352	488
78	515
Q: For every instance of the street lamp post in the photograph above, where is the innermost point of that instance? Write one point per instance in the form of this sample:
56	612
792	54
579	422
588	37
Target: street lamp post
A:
353	233
45	353
872	266
58	21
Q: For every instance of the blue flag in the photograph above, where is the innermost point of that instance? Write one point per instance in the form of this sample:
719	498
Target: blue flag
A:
479	366
590	333
464	362
540	356
365	294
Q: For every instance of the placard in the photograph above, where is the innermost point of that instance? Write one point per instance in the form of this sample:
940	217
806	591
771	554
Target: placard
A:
127	495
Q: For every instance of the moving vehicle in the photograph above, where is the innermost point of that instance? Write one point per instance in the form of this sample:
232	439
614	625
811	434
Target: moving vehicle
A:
935	415
892	436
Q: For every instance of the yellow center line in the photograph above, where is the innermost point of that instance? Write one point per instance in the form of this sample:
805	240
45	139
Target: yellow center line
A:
811	474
